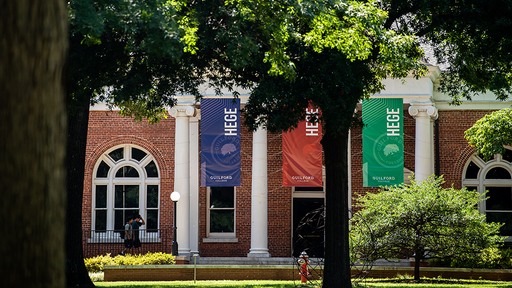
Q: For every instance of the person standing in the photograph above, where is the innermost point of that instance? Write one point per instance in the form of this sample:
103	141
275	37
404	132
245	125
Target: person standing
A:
137	222
128	235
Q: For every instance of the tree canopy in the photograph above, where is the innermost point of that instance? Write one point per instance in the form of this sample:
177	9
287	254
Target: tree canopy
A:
136	55
422	220
470	39
139	55
490	134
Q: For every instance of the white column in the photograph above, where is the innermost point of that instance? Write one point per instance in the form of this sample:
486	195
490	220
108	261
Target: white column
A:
424	114
194	186
182	175
259	192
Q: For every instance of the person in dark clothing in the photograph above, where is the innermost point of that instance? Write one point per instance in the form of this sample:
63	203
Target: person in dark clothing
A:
128	235
137	222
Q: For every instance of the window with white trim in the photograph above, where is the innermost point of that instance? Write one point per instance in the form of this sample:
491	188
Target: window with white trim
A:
495	177
221	212
126	182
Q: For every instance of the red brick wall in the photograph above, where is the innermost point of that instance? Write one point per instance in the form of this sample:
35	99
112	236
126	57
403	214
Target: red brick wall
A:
454	149
107	129
279	206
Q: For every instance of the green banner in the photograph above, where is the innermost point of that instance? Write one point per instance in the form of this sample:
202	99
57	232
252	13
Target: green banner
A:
383	142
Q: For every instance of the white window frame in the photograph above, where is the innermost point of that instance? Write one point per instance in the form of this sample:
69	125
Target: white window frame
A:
220	236
481	183
111	181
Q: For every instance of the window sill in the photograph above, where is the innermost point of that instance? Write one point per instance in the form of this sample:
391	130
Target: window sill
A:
220	240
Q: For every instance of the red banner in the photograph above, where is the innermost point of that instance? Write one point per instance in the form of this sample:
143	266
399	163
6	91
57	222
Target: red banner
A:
302	154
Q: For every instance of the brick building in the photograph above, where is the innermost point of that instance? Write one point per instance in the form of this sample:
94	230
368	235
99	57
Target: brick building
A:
133	168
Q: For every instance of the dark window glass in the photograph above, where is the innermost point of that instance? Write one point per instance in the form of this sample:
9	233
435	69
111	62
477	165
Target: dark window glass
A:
507	156
309	189
501	217
222	197
497	173
151	169
117	154
472	171
222	221
138	154
120	217
101	196
127	171
102	170
119	220
152	196
132	196
101	220
126	196
500	198
152	220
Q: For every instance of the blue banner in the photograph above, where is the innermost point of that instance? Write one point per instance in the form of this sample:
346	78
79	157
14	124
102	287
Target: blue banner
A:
220	142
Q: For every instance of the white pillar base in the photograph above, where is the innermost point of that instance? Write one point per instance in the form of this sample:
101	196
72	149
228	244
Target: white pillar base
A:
258	253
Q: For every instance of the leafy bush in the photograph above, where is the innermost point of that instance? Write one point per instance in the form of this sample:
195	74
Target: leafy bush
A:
96	264
491	258
423	220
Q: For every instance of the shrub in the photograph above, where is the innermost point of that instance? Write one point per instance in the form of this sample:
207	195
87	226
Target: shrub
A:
424	220
96	264
491	258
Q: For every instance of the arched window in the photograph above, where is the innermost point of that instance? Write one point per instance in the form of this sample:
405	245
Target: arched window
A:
495	177
126	182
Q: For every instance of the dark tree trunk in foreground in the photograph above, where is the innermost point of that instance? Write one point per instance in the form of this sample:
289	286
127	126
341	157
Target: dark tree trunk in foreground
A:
78	120
417	259
33	49
337	260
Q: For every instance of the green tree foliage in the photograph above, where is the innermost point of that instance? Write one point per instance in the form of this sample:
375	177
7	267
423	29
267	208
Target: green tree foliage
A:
422	220
473	38
140	54
136	55
339	52
490	134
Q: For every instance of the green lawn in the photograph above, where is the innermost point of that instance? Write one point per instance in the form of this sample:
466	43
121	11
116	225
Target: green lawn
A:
223	284
292	284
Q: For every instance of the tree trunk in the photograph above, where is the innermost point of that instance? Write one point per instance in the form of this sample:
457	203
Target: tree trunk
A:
337	257
417	259
33	45
78	121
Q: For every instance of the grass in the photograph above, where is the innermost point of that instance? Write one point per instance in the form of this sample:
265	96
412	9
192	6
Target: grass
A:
224	284
422	285
292	284
436	283
368	283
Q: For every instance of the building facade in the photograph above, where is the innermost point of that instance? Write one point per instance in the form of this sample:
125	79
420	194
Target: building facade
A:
132	168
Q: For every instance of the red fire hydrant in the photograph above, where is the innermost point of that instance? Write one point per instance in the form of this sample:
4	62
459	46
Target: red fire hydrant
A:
303	261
